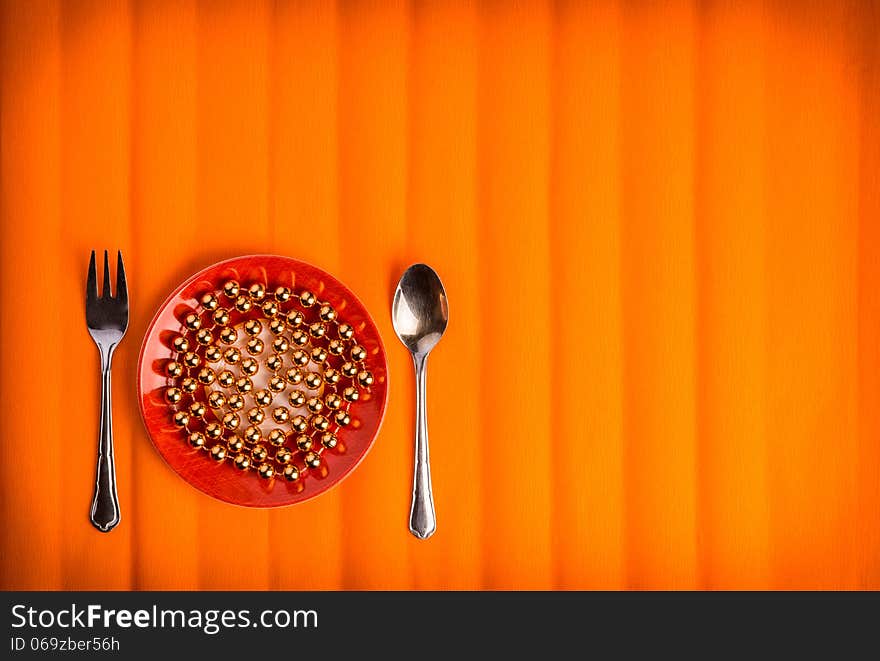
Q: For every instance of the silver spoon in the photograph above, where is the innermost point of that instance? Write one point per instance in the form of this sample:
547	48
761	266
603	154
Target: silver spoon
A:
420	314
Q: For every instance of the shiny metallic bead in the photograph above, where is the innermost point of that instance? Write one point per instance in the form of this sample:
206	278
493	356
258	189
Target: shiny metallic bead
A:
259	453
291	473
263	397
349	369
213	431
234	443
216	400
293	376
243	303
266	471
331	376
241	462
351	394
277	437
296	398
249	366
280	414
299	358
307	299
226	378
283	455
206	376
304	442
221	316
255	346
336	347
333	401
319	355
196	439
280	345
320	423
173	395
232	355
197	409
329	440
269	308
276	384
317	330
255	415
313	380
192	321
173	368
282	294
181	418
277	326
346	331
312	459
299	338
315	405
275	362
253	327
218	453
235	403
231	421
244	385
358	353
191	359
327	313
257	291
228	335
231	288
253	434
295	318
180	344
189	385
204	337
342	418
299	424
209	301
213	354
365	378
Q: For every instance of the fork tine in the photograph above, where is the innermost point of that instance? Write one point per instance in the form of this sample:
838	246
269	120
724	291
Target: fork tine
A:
92	280
105	293
121	287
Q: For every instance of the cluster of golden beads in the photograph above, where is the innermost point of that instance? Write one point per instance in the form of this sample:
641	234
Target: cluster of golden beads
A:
228	378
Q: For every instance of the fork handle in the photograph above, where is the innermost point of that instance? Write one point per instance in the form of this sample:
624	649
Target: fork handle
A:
105	505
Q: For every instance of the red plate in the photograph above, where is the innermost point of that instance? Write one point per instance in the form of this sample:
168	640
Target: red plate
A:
222	480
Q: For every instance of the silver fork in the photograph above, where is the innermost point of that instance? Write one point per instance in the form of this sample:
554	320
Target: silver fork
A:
107	319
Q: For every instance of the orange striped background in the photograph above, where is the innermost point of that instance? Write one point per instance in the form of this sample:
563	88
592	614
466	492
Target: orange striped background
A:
658	224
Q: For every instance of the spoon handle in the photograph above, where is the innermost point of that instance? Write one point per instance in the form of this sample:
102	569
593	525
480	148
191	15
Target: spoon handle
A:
422	521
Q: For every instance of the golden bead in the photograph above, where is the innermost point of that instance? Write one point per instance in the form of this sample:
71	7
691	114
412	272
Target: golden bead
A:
204	337
180	344
313	381
317	330
358	353
295	318
196	439
231	421
277	437
349	369
283	455
346	332
226	378
331	376
307	299
255	415
277	326
282	294
276	384
249	366
333	401
218	453
327	313
293	376
206	376
365	378
275	362
255	346
216	400
312	459
241	462
266	471
299	424
299	358
181	418
257	291
173	395
296	398
189	385
280	345
304	443
228	335
342	418
320	423
253	434
209	301
351	394
329	440
336	347
232	355
234	443
299	338
213	354
291	473
231	288
197	409
191	359
235	403
319	355
280	414
221	316
243	303
253	327
263	397
173	368
270	309
315	405
213	431
244	385
259	453
192	321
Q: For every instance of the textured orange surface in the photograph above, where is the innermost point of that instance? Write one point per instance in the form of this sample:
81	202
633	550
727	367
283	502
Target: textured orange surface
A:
658	224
